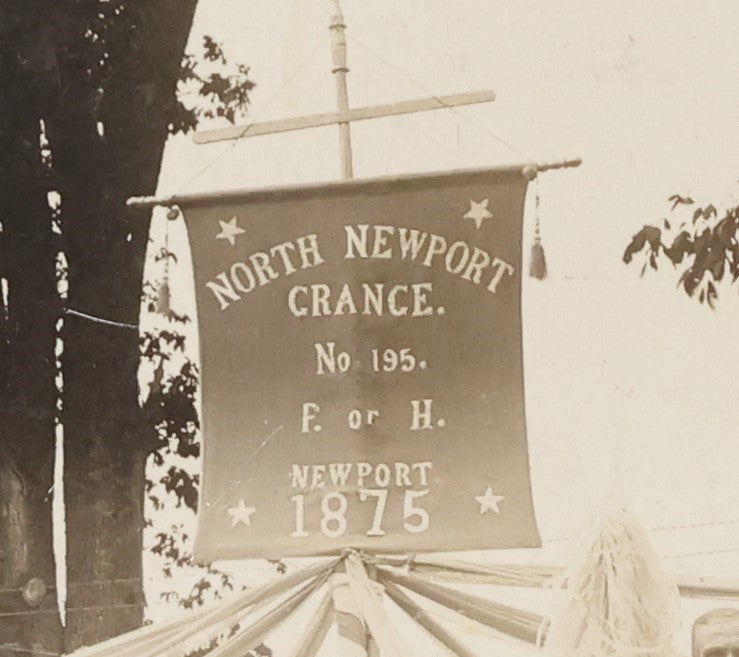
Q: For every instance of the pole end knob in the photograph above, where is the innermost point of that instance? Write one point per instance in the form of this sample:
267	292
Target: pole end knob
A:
34	591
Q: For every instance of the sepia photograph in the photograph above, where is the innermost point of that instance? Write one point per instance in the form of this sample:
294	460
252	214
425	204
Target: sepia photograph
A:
369	329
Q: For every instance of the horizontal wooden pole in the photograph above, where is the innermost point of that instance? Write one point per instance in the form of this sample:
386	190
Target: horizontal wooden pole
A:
538	576
426	621
707	587
562	164
202	624
529	171
517	623
498	575
250	637
331	118
314	634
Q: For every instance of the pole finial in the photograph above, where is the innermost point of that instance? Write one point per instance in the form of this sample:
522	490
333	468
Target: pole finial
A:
340	69
338	17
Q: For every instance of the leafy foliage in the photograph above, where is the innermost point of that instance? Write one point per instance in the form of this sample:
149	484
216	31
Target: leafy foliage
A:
171	411
169	546
705	244
210	87
220	89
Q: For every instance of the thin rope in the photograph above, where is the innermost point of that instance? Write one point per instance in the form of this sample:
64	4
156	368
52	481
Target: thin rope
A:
378	83
234	142
100	320
459	137
255	568
39	612
423	88
144	605
31	651
174	578
248	569
712	523
702	553
663	528
166	247
237	140
537	219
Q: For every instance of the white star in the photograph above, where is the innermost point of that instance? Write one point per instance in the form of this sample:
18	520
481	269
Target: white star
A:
479	211
229	231
489	501
241	513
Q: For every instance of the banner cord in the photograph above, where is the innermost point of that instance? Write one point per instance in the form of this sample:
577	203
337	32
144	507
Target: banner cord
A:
423	88
143	581
376	80
38	612
147	580
269	103
701	553
100	320
145	605
14	647
663	528
537	219
180	577
235	141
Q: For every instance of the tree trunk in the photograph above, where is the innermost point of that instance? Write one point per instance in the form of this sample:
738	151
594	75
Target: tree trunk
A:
28	445
27	360
107	440
26	540
27	418
45	73
104	523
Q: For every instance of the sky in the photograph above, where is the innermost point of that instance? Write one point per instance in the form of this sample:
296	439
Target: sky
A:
630	386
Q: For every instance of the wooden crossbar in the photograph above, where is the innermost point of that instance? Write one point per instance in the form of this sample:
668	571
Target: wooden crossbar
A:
331	118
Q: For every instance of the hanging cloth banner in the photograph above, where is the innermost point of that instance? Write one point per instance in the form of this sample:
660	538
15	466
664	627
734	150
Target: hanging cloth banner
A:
362	380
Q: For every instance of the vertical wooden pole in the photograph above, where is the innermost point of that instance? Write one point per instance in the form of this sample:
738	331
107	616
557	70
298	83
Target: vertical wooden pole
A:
351	630
373	650
338	52
369	603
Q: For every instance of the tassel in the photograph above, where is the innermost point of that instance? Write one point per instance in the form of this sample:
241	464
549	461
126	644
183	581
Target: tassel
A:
163	306
156	386
538	263
163	299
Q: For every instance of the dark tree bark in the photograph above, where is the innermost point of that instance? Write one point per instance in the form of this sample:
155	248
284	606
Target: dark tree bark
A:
27	341
107	439
26	537
102	76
